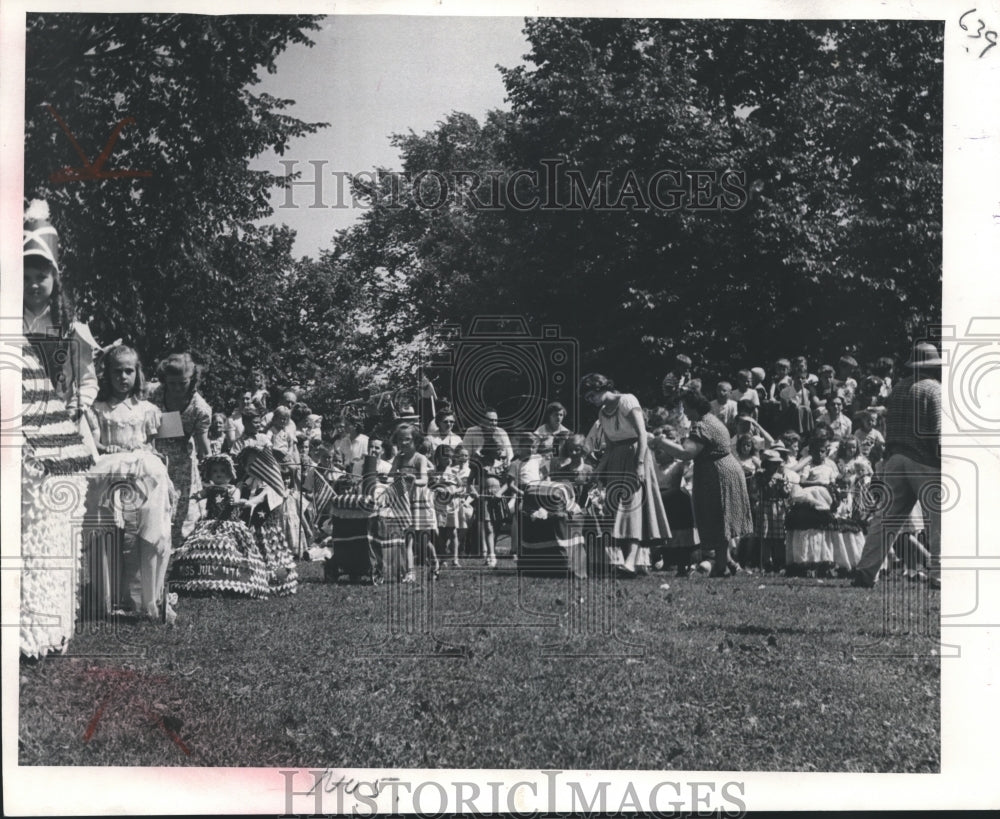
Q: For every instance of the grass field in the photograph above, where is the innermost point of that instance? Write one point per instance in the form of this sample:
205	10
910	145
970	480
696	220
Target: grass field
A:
487	670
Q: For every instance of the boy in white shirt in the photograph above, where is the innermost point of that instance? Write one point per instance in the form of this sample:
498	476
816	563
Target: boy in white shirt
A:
744	389
528	465
723	407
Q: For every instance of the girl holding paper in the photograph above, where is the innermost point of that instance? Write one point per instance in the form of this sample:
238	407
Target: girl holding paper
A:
183	435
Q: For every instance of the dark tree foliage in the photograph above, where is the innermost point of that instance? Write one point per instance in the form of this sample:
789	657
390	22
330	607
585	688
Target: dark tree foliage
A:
175	259
833	243
835	247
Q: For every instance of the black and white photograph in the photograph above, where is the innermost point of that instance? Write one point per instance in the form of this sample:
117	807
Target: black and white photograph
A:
418	407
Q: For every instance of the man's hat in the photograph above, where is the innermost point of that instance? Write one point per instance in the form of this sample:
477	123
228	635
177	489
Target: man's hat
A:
925	355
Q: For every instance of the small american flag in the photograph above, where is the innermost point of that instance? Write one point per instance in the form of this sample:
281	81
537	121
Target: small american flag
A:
323	495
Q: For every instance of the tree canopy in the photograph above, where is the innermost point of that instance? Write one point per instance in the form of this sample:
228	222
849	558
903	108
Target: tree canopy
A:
175	257
733	189
834	244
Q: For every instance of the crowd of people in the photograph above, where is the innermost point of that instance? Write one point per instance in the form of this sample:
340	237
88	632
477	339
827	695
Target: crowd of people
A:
228	502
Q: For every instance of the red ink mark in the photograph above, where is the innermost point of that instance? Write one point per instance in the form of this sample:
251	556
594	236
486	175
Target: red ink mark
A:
95	169
177	740
94	720
116	678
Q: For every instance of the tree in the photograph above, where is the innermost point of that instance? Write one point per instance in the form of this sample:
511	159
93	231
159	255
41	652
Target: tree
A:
172	258
833	244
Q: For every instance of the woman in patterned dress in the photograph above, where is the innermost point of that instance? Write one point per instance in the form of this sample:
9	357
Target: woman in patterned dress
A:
178	392
719	490
628	472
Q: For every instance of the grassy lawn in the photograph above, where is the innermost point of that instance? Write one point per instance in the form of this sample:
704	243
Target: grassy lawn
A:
486	670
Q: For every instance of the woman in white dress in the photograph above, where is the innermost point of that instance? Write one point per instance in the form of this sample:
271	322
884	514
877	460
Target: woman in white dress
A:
627	471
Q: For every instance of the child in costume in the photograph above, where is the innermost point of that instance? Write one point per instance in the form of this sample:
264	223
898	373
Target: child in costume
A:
65	345
263	486
855	473
54	456
463	472
408	499
220	555
217	434
447	501
131	481
177	392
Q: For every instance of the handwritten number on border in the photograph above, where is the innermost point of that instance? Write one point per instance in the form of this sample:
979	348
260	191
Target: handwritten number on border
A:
990	36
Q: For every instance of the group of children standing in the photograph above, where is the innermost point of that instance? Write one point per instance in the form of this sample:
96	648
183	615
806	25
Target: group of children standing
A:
454	507
808	441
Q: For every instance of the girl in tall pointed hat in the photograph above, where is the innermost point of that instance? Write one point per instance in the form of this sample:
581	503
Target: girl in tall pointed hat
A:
54	456
65	345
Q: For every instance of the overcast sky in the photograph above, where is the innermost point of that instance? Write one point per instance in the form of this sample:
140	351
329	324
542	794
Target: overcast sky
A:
370	77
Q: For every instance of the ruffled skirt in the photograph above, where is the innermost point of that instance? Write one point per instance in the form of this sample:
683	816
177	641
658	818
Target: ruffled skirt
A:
272	543
54	462
219	556
135	489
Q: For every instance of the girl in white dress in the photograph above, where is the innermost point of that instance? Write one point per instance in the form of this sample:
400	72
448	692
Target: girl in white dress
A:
131	481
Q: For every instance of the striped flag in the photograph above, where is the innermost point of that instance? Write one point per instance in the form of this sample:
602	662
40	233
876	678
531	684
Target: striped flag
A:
322	496
261	464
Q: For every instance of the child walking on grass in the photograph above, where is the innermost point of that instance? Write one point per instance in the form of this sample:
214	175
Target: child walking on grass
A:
409	499
447	503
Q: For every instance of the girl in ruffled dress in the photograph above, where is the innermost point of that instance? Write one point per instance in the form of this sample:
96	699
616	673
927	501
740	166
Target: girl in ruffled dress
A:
54	457
66	347
220	555
131	481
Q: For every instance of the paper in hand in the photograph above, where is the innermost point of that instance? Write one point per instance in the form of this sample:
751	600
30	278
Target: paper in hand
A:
170	426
